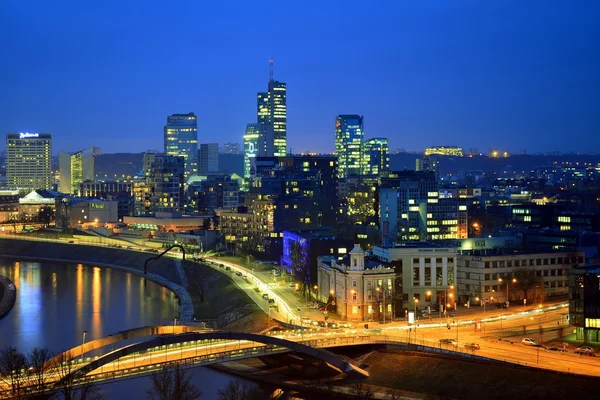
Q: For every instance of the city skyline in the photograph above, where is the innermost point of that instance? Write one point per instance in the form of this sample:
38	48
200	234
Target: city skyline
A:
424	75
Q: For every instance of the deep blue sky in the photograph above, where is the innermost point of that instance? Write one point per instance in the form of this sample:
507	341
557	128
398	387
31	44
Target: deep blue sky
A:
510	74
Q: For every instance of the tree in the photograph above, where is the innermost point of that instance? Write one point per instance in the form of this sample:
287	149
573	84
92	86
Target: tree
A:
236	390
39	363
527	281
173	384
361	391
69	386
13	368
45	215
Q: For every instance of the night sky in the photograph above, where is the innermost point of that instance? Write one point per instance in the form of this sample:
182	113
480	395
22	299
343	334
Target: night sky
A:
478	74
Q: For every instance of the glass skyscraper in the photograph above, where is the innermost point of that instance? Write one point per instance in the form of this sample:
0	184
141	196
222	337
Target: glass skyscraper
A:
252	139
376	158
272	114
181	139
349	136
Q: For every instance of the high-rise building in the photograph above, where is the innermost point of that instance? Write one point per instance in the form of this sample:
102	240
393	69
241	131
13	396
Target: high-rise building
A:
349	136
181	139
376	156
208	158
272	114
231	148
252	139
29	161
165	179
75	168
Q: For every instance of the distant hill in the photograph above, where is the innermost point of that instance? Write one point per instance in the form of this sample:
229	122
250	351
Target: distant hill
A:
128	164
115	165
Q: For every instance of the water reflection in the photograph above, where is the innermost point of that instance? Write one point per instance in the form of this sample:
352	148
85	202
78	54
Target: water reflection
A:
57	302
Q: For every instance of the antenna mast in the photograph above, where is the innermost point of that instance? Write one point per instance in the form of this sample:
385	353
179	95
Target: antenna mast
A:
271	69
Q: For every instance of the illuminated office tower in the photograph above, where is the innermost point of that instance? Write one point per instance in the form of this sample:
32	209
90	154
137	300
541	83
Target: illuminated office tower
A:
74	169
181	140
349	136
271	112
376	158
208	158
252	140
28	161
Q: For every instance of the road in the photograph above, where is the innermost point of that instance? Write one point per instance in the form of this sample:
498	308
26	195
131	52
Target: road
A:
291	307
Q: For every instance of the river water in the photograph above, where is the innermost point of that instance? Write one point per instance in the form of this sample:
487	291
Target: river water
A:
57	302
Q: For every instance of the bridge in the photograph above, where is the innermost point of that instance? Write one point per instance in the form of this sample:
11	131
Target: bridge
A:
159	347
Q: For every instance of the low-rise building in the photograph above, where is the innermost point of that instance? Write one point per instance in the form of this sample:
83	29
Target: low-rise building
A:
427	271
85	212
361	290
499	275
584	302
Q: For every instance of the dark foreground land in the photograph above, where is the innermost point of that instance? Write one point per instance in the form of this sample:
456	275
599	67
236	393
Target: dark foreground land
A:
456	378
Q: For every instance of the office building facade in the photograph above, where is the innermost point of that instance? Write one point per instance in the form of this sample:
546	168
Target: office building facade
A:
272	114
349	135
163	187
208	158
252	139
181	140
376	156
29	161
75	168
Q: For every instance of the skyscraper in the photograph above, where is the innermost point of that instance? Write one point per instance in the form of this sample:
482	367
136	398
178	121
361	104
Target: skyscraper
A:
28	161
349	136
162	190
181	139
376	157
252	139
208	158
74	169
271	112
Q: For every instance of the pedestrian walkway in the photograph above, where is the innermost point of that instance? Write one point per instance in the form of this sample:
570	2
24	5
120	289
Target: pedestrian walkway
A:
182	276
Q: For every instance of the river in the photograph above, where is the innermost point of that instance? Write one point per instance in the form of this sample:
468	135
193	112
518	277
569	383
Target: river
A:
57	302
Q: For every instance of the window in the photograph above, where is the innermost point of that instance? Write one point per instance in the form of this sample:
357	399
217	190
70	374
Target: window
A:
501	264
487	277
552	272
494	264
539	261
509	263
486	288
552	261
416	276
370	309
545	261
560	260
354	297
354	310
354	283
415	260
438	261
517	263
427	276
487	264
417	296
428	261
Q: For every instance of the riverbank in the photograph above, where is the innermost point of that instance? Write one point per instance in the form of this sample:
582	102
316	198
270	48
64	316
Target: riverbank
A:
8	295
210	295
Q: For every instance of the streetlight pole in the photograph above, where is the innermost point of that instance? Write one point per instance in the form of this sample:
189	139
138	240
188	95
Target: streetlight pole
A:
82	343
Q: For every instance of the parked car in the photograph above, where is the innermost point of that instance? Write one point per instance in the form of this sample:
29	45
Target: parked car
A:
557	349
238	273
265	296
227	268
449	342
271	301
529	342
71	241
501	305
584	350
306	321
332	325
129	247
472	346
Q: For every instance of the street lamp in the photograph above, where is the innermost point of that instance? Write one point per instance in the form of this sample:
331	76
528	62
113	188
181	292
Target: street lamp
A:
82	343
500	280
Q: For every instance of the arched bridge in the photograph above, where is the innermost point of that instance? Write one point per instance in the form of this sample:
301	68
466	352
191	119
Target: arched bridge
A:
199	348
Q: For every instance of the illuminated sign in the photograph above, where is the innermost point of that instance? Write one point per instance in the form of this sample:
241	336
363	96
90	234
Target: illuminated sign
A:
97	205
28	135
251	150
411	317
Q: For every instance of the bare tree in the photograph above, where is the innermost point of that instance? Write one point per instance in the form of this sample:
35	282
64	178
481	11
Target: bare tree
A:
236	390
361	391
393	394
527	281
39	364
301	264
173	384
13	370
68	385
